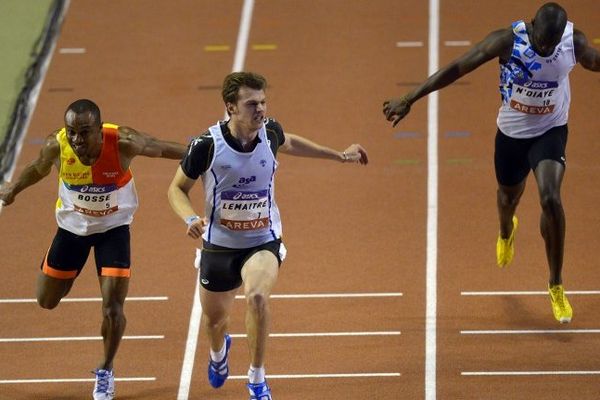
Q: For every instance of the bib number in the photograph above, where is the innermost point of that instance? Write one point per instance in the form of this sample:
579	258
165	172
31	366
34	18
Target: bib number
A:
95	201
534	97
245	211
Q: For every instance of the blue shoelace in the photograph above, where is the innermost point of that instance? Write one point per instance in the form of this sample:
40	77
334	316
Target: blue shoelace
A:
102	382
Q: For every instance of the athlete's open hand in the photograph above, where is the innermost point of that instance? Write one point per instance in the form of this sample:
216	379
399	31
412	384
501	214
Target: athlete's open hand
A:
396	109
355	153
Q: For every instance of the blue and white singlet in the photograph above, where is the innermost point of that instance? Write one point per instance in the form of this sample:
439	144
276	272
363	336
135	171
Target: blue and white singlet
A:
535	90
240	194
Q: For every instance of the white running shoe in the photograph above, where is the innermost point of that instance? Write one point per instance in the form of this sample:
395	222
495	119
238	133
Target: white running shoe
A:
104	388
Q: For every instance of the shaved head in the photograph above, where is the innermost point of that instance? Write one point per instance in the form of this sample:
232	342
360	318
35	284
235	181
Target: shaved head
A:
551	18
85	107
548	27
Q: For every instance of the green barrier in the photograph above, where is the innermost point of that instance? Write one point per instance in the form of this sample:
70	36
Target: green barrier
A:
34	54
21	24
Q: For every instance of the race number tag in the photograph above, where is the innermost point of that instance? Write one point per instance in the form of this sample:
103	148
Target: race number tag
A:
245	211
94	200
534	97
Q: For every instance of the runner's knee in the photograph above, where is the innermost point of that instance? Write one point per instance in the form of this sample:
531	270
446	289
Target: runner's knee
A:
551	203
113	311
214	322
508	199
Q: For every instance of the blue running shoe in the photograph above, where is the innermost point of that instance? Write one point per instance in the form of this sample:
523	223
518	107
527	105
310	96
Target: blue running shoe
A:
219	371
104	388
259	391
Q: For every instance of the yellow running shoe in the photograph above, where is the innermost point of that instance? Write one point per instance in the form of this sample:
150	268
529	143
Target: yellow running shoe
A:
505	248
563	312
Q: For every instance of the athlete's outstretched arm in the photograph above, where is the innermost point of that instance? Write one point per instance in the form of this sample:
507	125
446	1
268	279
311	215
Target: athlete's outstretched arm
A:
34	172
133	143
298	146
496	44
179	198
587	56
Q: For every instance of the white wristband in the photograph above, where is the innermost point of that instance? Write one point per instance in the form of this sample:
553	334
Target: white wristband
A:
191	219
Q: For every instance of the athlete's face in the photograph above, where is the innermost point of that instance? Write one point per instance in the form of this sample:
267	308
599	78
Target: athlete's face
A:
543	39
250	109
83	133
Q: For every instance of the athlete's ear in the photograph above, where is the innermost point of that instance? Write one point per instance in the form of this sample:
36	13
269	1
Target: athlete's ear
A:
230	108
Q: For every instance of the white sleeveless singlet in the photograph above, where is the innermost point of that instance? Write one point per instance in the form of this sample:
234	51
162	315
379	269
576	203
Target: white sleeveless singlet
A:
535	90
240	194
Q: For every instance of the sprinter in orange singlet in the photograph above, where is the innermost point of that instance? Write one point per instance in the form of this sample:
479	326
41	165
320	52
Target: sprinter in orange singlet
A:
96	203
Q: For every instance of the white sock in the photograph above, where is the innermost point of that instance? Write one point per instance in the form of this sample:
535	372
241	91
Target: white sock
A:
256	375
218	356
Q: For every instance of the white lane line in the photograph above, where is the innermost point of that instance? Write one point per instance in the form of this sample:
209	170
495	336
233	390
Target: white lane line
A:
409	44
317	376
71	50
432	209
85	299
527	373
527	331
75	338
74	380
190	346
457	43
242	40
196	314
323	334
327	295
528	293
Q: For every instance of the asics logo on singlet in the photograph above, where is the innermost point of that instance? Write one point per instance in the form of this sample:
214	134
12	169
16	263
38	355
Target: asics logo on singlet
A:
92	189
245	196
204	281
540	84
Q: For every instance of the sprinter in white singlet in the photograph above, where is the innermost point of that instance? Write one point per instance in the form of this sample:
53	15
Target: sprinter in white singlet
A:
240	227
535	61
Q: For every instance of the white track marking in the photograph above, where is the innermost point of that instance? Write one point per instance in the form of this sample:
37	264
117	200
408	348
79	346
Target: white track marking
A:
71	50
528	293
432	210
326	295
194	327
85	299
74	380
75	338
528	331
527	373
457	43
322	334
327	376
190	345
409	44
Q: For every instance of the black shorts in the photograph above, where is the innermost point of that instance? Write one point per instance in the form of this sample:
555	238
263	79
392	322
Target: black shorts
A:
514	158
221	267
69	252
